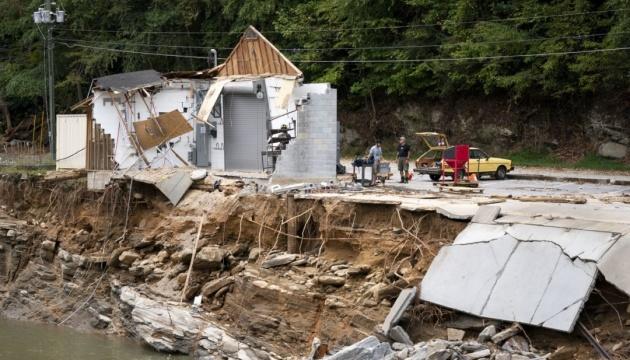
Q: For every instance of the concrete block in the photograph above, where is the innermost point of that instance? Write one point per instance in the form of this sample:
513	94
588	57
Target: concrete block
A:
398	309
398	334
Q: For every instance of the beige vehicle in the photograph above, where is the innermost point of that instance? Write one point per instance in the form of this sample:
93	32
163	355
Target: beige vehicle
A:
480	163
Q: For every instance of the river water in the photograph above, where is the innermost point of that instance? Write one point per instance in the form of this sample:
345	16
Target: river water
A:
21	340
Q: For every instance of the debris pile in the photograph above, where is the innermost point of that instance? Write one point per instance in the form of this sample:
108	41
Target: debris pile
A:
504	345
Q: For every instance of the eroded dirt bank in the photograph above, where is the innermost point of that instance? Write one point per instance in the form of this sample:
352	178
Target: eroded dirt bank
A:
116	262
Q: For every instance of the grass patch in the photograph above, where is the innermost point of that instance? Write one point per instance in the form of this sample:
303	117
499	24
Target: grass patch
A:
545	159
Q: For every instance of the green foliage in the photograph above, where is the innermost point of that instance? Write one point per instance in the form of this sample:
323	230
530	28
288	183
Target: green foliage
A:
388	30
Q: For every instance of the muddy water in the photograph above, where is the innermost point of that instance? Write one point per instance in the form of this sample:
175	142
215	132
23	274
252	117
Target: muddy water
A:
26	341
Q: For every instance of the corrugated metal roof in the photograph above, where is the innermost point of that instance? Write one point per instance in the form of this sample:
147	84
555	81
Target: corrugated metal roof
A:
255	55
129	81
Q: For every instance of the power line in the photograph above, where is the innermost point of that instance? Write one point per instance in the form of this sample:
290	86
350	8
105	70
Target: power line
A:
490	42
131	51
106	42
391	27
391	47
493	57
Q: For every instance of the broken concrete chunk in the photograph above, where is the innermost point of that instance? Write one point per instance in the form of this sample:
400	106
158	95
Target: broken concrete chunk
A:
128	257
331	280
613	265
455	334
209	258
506	334
369	348
398	309
486	214
487	333
517	344
213	286
398	334
478	354
279	260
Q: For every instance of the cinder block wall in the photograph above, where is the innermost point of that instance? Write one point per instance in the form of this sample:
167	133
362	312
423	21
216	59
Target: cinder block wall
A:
312	155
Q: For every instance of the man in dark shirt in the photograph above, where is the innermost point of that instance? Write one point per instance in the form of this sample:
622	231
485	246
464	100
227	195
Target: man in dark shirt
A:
403	159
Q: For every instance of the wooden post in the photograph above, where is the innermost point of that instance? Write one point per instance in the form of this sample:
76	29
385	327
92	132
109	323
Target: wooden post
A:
292	241
192	259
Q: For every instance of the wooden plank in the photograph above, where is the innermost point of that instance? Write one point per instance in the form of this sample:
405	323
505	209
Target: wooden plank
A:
258	56
251	54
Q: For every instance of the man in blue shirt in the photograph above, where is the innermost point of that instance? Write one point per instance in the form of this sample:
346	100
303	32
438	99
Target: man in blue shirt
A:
402	154
376	155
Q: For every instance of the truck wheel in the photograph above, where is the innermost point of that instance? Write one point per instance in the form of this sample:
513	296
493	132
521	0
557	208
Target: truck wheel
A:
501	173
435	177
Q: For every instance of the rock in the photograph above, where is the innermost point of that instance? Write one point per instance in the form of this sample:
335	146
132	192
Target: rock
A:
612	150
166	328
398	309
516	343
300	262
331	280
128	257
254	253
11	233
101	322
369	348
359	270
506	334
478	354
617	346
48	245
399	346
444	354
487	333
279	260
209	258
398	334
455	334
213	286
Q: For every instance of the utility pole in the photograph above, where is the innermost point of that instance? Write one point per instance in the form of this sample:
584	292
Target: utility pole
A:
45	15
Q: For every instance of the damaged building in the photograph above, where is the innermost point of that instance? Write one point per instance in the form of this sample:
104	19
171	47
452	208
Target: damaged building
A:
253	113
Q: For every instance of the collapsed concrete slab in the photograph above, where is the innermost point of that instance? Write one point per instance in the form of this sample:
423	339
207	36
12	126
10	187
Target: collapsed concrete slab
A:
398	309
529	274
614	264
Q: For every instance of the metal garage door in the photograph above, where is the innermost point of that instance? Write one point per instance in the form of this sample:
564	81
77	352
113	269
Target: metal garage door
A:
245	130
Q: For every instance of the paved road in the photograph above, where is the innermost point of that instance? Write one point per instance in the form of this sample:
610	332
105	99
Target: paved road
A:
529	187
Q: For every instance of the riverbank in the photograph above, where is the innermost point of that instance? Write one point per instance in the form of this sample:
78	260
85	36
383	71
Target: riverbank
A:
118	262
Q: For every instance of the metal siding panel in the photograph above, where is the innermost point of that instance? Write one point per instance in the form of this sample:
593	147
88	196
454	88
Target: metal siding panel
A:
245	132
71	141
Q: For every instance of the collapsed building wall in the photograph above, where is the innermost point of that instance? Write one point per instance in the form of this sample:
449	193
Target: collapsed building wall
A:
312	155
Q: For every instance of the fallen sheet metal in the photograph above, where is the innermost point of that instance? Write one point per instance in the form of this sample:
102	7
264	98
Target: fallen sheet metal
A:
173	183
157	131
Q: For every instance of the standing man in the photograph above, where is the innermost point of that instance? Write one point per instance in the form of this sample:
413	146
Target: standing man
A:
403	159
376	154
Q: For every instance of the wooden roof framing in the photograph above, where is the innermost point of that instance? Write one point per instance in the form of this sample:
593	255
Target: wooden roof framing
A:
255	55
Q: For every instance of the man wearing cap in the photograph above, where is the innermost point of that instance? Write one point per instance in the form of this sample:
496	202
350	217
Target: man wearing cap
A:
403	159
